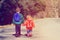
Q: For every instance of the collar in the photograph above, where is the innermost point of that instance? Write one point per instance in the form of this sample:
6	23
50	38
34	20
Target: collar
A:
18	12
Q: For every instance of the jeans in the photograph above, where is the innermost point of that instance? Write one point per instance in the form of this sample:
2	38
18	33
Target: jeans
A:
18	29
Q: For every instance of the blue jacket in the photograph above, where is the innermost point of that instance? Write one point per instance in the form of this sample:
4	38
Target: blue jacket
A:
21	21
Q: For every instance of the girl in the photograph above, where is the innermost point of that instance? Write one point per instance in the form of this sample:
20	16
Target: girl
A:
29	25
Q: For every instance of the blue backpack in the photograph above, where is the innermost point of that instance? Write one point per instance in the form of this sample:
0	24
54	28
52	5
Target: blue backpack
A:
17	17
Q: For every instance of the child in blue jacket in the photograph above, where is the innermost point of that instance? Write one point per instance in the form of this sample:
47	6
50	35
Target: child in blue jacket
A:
18	20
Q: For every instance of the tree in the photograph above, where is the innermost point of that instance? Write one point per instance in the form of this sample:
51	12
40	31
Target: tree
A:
8	7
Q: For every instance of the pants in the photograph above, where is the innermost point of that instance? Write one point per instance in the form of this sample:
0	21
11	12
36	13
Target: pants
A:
28	31
18	29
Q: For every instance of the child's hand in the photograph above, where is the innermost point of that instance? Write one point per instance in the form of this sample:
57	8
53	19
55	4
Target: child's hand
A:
22	25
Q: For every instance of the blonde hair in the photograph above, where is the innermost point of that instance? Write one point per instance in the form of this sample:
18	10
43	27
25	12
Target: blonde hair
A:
29	17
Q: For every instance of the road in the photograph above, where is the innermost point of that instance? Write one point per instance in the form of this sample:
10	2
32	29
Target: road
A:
45	29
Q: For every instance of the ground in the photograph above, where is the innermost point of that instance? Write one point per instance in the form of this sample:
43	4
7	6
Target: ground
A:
45	29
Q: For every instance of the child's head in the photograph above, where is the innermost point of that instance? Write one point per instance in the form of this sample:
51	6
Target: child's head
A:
18	9
29	17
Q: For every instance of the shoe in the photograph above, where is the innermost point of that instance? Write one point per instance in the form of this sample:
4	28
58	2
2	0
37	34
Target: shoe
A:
28	35
16	35
25	34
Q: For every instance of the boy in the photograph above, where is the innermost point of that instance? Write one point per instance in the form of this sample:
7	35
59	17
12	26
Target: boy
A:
17	20
29	25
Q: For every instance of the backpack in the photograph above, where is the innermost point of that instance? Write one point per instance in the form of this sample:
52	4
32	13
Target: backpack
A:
17	17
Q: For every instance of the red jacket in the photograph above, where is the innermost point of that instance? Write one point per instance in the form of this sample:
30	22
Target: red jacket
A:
29	24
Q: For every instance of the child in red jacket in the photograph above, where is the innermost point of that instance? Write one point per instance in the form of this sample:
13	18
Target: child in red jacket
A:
29	25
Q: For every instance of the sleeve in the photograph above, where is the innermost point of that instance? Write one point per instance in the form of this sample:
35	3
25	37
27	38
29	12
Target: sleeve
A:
22	18
33	24
13	19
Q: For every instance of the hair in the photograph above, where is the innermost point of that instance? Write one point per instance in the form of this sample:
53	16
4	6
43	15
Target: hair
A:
29	17
17	9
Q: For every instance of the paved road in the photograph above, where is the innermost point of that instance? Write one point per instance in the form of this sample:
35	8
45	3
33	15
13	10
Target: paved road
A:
46	29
